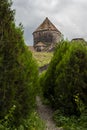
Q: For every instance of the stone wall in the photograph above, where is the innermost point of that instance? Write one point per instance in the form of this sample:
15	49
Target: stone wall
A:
46	37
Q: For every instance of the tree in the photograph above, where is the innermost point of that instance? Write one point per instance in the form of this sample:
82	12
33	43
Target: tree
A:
65	80
18	70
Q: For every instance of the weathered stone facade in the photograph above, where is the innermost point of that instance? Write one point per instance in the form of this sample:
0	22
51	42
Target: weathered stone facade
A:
39	46
46	33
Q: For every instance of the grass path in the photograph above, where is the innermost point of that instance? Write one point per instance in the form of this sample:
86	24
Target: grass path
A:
46	114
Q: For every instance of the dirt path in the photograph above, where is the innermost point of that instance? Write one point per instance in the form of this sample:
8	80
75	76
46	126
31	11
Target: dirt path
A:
46	114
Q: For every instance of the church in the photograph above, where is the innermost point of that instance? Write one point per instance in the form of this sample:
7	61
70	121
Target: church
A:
46	36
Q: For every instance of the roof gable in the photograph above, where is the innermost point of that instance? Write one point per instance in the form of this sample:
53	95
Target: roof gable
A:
40	44
46	25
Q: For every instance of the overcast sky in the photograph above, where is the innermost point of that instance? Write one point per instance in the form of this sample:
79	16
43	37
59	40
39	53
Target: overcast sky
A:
69	16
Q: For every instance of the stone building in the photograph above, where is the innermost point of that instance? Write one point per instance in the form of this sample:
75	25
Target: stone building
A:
46	35
78	39
39	46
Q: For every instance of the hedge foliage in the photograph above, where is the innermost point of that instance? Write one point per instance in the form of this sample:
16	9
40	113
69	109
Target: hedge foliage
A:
65	82
18	70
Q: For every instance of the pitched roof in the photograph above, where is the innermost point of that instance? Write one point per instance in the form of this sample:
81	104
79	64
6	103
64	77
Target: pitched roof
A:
78	39
31	48
40	44
47	25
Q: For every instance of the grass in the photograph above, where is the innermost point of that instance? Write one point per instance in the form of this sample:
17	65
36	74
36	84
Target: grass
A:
33	123
71	123
43	58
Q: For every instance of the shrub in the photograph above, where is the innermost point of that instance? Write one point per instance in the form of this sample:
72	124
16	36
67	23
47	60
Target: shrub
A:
18	70
71	123
65	83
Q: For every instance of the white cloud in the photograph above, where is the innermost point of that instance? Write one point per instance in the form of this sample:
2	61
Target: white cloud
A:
69	16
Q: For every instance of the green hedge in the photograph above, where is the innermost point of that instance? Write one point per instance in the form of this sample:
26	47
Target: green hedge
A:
18	71
65	83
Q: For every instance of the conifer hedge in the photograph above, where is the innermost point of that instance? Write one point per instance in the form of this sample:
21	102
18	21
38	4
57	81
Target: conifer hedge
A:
18	70
65	82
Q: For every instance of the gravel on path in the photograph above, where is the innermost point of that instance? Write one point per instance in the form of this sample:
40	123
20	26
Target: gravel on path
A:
46	115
